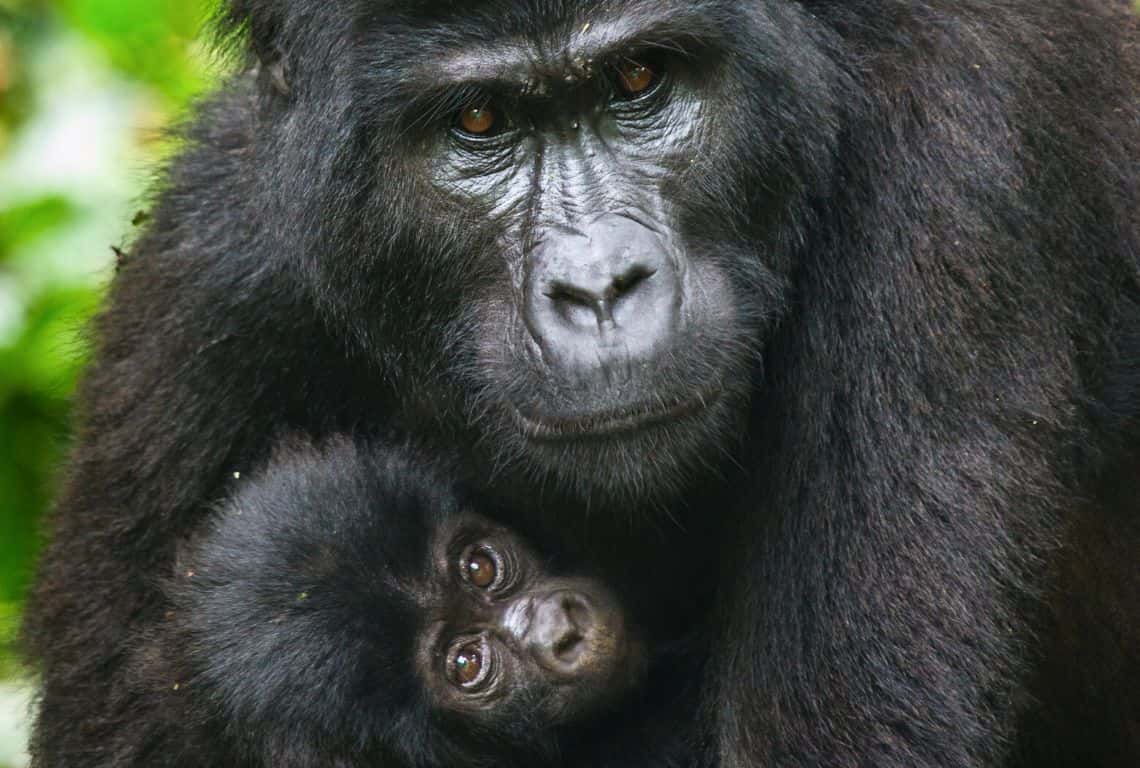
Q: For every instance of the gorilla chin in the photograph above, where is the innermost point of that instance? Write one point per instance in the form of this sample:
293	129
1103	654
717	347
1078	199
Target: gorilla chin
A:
616	422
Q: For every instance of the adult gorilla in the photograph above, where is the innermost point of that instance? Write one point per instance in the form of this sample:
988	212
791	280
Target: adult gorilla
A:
863	276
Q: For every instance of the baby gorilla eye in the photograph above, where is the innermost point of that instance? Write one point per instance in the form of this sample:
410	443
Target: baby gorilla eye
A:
469	665
481	569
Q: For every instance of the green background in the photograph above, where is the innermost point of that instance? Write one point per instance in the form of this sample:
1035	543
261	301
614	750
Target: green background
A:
86	88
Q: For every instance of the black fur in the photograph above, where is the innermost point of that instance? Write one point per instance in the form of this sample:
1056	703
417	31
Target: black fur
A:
290	637
925	468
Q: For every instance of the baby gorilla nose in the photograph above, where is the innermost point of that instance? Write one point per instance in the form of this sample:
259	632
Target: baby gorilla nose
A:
559	634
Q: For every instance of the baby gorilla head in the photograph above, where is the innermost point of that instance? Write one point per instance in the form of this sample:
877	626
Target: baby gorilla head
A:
345	607
500	632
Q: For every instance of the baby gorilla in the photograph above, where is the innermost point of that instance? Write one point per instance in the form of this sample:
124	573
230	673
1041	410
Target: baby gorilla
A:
346	609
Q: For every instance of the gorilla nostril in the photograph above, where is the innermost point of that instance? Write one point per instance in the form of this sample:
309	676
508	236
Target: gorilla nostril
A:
569	647
577	612
562	293
577	306
628	282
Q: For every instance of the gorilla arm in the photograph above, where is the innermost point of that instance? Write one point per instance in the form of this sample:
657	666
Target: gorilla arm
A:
919	419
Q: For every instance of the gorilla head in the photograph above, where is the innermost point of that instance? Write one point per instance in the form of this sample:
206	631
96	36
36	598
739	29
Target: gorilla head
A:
568	214
345	604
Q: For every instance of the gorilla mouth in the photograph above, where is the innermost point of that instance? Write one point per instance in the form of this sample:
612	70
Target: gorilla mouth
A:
613	422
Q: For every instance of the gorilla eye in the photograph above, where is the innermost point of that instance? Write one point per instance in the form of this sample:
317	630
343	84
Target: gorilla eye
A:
478	120
635	77
481	569
468	665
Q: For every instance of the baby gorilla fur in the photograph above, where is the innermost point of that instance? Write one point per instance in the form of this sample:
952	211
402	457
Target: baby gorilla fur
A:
345	608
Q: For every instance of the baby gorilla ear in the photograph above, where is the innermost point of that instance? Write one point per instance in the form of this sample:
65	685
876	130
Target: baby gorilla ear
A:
277	71
262	23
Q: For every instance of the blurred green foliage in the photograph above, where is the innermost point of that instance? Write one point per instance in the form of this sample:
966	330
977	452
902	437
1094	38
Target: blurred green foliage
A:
86	87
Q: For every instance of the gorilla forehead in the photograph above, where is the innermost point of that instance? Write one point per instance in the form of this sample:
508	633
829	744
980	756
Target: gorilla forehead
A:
545	20
511	42
527	47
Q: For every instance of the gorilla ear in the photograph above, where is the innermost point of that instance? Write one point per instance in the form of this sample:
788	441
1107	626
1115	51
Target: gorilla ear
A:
260	25
277	70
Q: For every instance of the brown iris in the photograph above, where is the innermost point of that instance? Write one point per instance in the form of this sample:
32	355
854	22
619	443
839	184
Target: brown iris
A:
481	570
634	77
479	120
468	664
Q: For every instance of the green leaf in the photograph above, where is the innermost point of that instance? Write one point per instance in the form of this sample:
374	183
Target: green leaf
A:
154	41
23	223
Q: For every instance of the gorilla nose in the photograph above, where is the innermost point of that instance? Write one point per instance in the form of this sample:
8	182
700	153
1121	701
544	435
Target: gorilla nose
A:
560	629
606	294
594	297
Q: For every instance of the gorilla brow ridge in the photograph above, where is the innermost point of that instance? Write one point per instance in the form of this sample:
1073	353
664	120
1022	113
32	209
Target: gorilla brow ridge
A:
519	64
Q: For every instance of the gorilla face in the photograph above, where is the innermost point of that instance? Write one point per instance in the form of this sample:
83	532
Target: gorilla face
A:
611	334
584	221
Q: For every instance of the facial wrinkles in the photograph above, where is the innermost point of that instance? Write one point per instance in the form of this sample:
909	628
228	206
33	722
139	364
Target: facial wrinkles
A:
579	181
499	179
516	619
